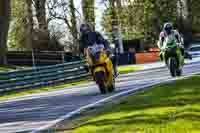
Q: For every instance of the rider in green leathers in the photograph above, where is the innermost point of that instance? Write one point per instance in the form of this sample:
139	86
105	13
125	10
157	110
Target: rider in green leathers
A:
169	33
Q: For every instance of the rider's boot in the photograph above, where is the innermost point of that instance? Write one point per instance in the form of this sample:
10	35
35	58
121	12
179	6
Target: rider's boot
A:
116	73
181	60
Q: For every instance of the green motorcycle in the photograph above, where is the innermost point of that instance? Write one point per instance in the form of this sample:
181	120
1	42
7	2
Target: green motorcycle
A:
173	56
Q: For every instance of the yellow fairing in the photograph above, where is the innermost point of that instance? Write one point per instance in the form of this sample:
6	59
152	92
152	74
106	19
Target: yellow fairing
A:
110	69
99	69
109	66
103	65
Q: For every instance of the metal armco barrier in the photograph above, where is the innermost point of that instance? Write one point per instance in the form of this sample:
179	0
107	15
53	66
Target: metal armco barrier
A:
43	76
41	58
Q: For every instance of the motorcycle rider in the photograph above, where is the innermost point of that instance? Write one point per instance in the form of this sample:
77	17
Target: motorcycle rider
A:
90	37
168	31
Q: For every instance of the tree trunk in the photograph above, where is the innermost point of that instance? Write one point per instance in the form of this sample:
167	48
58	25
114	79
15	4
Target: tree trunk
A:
120	39
74	26
186	20
5	9
42	34
41	14
88	12
189	17
116	27
29	25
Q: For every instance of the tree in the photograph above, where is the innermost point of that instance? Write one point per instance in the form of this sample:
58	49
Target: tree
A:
142	19
74	30
20	33
113	23
29	25
65	12
195	8
40	8
89	12
116	7
41	33
5	9
186	19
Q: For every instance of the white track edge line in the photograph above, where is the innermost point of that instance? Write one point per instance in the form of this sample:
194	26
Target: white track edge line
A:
45	94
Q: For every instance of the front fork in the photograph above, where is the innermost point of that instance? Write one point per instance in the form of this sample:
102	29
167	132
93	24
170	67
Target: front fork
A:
162	57
179	55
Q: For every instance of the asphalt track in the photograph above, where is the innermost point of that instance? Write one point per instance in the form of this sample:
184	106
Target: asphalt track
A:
32	112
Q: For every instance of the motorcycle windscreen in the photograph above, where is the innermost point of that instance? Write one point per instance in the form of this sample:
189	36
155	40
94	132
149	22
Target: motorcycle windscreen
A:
96	57
170	42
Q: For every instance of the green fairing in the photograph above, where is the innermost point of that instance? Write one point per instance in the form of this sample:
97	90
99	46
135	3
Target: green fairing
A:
170	45
180	57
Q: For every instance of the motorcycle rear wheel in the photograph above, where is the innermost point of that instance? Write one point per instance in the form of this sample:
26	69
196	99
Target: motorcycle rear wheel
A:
172	67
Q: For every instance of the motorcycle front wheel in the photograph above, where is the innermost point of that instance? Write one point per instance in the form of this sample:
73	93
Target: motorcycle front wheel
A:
172	67
100	80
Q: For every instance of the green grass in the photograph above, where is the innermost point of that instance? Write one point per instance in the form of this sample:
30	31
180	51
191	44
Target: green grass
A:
128	69
173	108
5	69
16	94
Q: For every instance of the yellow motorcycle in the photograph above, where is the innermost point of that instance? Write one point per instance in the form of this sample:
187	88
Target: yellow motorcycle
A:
101	68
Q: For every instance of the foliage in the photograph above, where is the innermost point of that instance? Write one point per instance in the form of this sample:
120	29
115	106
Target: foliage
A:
65	12
142	19
195	15
138	19
5	69
18	22
88	11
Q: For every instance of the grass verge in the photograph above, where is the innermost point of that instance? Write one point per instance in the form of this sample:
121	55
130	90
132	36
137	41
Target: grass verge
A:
5	69
128	69
173	108
15	94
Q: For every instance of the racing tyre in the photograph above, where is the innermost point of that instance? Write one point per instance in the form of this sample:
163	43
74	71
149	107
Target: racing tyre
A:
99	77
172	67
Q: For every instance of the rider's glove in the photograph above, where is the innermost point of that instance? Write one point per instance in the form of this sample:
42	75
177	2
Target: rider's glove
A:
108	52
162	49
180	45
